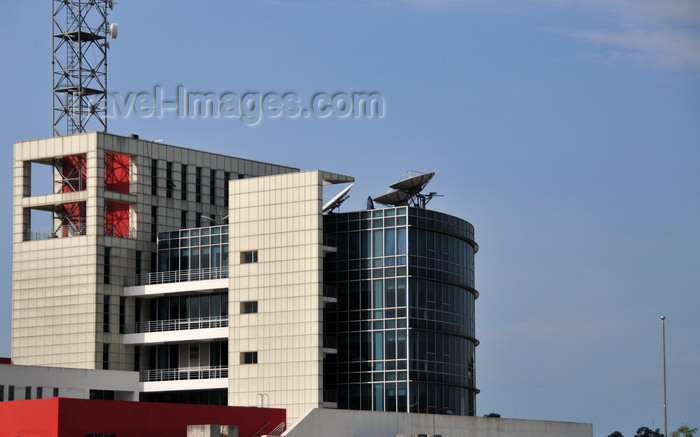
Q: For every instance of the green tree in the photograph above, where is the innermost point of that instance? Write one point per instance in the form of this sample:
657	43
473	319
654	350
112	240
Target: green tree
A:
684	431
646	432
616	434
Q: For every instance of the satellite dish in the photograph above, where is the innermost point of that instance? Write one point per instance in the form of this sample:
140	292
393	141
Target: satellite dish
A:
413	183
396	197
407	191
337	200
113	30
370	203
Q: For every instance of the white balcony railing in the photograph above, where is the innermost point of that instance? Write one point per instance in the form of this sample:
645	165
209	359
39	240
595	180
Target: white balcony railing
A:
184	374
179	324
179	276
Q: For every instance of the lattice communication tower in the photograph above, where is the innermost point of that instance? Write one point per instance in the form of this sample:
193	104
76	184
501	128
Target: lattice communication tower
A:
80	43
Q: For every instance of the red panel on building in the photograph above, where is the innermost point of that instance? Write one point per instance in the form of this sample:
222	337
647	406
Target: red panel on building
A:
64	417
117	170
74	173
117	219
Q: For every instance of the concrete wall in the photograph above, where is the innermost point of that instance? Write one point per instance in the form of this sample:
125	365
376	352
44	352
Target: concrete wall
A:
347	423
71	383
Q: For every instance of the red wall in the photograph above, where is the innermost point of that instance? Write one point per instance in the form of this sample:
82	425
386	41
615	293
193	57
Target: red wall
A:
64	417
116	221
33	418
117	172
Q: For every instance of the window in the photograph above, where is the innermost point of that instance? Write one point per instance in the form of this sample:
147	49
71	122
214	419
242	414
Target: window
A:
102	395
212	187
122	314
198	184
39	392
227	177
2	393
105	356
169	184
105	314
249	357
198	220
138	262
28	392
107	262
11	393
154	177
183	183
249	307
137	358
183	219
249	257
55	392
154	224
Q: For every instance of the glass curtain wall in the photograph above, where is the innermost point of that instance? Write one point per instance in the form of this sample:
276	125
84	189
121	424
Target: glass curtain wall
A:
404	317
193	249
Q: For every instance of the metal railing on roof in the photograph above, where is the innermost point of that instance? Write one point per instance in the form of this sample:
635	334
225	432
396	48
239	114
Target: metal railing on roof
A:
179	276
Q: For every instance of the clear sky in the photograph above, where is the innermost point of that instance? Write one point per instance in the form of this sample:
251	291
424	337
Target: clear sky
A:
567	132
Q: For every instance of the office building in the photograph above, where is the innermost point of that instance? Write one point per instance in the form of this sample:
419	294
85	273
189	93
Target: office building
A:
228	281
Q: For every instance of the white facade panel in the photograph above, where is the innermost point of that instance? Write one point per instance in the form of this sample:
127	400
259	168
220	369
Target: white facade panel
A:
155	290
192	384
176	336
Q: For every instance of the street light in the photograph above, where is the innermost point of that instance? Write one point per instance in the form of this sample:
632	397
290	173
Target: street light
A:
663	352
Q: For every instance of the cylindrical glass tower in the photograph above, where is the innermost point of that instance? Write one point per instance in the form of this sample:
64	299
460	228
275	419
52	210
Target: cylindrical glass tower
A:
403	313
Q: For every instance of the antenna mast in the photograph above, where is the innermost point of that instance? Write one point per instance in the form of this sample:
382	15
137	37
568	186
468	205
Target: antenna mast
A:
80	31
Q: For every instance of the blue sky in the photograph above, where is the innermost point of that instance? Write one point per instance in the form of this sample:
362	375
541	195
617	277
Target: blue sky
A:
566	131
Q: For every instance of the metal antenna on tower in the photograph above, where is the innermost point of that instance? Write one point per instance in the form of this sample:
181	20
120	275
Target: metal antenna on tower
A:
80	32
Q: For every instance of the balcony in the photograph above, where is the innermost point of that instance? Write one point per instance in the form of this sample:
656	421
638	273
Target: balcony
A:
185	374
173	276
47	233
179	324
177	330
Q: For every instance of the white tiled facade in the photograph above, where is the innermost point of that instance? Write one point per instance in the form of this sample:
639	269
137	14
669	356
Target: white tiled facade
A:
60	315
59	284
279	217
